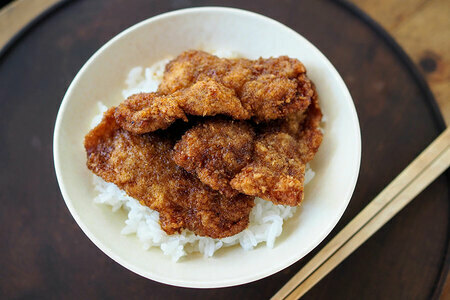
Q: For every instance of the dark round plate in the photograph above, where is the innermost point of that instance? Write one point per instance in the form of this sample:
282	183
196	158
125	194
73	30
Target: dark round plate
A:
46	255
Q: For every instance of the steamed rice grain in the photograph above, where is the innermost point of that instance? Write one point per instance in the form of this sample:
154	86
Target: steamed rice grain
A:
266	218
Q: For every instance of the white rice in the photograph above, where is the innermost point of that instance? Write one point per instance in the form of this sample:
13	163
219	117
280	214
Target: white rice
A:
266	218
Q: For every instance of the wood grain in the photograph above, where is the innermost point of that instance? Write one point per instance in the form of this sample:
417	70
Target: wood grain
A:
18	14
422	28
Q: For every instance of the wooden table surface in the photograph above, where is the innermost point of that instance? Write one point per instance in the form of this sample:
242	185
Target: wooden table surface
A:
421	27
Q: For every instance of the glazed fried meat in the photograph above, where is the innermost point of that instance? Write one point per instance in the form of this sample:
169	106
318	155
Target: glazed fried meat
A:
147	112
276	173
142	166
253	127
268	88
216	151
201	84
272	164
310	137
281	153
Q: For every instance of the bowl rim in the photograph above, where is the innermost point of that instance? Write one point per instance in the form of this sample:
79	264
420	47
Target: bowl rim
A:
186	282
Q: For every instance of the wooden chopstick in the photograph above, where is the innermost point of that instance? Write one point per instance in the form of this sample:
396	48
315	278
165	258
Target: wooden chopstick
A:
437	167
417	176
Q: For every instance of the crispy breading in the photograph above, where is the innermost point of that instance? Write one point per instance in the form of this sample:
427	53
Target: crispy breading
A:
202	175
273	171
276	173
268	88
310	136
147	112
198	83
281	152
216	151
142	166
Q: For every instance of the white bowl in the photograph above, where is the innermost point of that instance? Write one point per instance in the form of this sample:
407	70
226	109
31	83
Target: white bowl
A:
251	35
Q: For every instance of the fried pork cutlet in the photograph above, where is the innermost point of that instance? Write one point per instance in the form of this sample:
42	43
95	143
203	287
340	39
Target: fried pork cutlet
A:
142	166
216	151
268	88
147	112
274	161
281	152
198	83
276	172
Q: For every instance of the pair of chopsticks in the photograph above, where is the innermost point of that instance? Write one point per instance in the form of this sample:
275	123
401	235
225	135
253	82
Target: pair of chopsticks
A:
431	163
